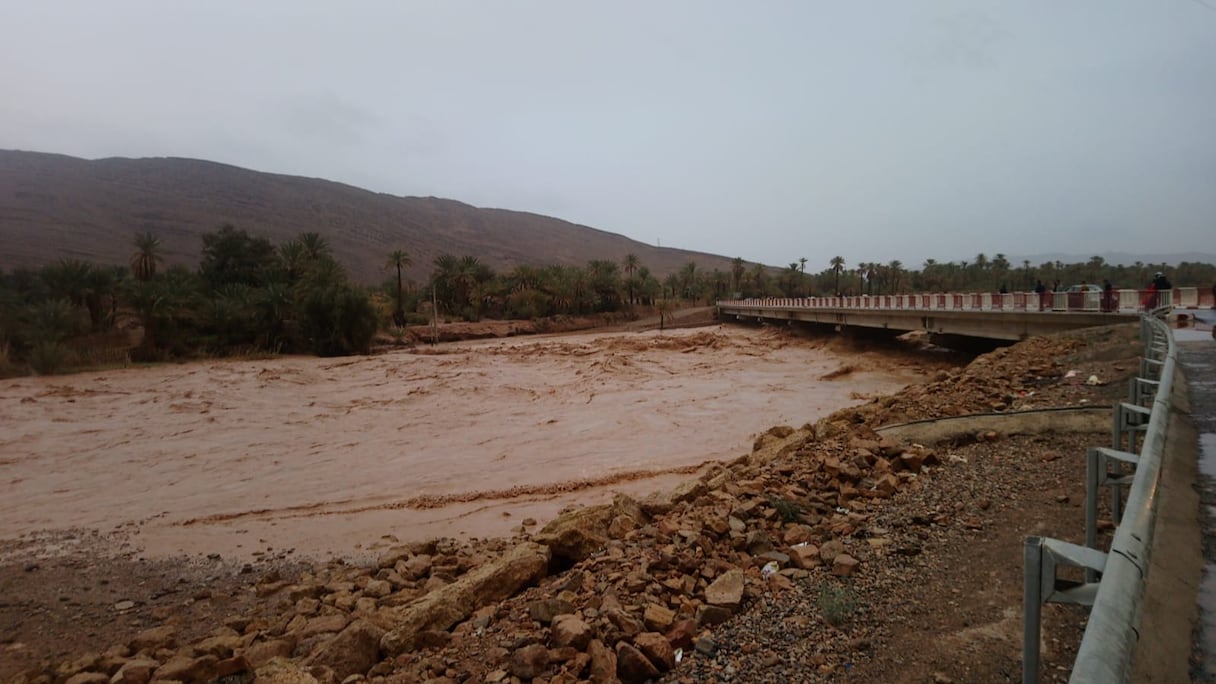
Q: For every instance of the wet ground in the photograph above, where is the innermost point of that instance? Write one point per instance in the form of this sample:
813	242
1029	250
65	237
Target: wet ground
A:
1197	355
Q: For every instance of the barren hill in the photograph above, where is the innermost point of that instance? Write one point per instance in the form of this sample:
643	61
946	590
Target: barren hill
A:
54	206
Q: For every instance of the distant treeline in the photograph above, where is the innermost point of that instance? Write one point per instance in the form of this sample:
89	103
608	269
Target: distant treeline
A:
248	295
980	274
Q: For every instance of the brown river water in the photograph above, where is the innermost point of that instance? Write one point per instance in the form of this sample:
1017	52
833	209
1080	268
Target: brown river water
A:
345	456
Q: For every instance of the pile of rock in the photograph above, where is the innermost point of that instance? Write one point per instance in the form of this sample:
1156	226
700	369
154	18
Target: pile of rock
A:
624	588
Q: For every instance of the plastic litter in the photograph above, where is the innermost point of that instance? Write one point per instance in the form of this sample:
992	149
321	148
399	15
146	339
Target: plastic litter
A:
679	654
1093	380
770	568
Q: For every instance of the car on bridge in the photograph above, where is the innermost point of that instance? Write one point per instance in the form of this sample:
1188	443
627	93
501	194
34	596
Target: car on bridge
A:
1088	296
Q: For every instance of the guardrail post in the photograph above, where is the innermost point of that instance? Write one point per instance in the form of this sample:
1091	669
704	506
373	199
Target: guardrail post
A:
1040	584
1097	474
1032	607
1093	462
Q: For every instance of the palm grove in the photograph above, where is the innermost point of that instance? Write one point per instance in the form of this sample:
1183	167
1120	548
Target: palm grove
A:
249	295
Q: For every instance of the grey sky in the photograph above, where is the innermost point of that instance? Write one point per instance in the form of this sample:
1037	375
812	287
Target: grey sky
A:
771	131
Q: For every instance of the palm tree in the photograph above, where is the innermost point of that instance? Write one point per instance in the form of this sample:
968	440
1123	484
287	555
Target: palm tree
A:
523	277
146	257
688	278
314	245
101	285
399	260
292	260
649	287
720	281
790	276
671	282
631	267
759	280
68	279
737	269
895	270
631	264
604	281
1094	267
837	263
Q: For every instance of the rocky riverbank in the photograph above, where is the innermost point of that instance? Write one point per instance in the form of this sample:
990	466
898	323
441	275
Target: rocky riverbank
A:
827	552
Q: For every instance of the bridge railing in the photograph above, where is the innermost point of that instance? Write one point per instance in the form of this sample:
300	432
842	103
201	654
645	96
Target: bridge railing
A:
1114	580
1093	300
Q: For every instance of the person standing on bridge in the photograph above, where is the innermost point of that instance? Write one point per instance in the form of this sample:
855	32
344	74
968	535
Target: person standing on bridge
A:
1041	290
1160	284
1108	295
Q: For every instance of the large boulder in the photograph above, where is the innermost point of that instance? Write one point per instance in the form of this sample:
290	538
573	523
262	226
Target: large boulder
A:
188	670
88	678
603	663
570	630
657	648
263	652
355	650
660	503
726	590
529	662
138	671
577	534
632	666
524	565
164	636
283	671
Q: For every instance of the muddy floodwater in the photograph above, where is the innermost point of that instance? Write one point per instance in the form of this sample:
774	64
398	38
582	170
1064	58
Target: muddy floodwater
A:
345	456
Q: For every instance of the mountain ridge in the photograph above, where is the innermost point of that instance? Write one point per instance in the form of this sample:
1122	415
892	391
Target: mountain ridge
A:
56	206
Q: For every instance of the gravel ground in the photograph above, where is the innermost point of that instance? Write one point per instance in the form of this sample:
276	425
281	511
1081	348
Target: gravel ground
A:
941	599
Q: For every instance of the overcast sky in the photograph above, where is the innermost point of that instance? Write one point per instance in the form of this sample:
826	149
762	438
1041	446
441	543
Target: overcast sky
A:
767	130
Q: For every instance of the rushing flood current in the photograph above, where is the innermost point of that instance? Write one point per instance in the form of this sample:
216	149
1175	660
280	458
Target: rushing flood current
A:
336	455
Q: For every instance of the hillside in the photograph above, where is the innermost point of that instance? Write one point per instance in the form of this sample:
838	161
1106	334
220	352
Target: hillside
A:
55	206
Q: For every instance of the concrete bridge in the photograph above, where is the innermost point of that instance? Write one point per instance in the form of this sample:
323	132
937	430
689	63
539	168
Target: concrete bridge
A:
953	319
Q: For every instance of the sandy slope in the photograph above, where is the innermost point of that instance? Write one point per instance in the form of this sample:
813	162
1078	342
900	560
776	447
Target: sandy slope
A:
329	455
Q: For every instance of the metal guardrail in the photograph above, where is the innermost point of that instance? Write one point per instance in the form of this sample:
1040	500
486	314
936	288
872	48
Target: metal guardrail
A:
1114	580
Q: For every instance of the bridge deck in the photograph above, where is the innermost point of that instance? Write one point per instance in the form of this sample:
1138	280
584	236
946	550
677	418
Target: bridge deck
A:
1012	316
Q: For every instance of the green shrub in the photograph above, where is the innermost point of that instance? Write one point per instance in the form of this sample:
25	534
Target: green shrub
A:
56	319
339	320
8	367
788	510
836	603
49	358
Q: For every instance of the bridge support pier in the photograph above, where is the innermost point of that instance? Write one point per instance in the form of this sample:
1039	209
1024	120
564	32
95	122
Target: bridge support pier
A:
967	343
870	334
